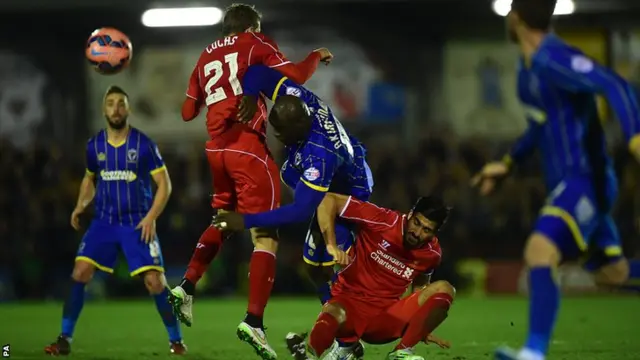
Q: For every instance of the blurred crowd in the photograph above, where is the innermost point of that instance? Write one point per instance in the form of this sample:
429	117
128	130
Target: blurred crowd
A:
40	187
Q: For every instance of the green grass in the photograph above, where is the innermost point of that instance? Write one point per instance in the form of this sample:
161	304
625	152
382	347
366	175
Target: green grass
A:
589	328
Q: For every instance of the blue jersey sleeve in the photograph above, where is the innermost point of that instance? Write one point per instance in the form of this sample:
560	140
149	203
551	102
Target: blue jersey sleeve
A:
319	164
92	157
576	72
525	145
153	159
262	79
305	202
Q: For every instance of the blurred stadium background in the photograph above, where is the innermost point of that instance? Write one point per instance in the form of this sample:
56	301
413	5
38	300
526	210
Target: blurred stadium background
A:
427	85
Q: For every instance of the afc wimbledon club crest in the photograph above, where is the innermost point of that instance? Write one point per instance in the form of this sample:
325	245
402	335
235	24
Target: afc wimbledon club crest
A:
132	156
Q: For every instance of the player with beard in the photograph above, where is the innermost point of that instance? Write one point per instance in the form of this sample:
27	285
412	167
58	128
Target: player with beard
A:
122	162
392	250
558	84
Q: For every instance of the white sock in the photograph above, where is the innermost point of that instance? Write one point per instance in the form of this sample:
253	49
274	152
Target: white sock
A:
528	354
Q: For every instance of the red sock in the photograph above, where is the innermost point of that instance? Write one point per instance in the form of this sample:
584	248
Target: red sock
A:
323	333
206	250
262	272
418	328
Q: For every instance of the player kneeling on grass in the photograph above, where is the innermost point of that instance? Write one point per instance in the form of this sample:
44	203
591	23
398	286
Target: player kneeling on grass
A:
391	251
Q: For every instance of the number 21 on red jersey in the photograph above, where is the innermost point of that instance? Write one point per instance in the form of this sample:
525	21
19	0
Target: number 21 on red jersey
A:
214	70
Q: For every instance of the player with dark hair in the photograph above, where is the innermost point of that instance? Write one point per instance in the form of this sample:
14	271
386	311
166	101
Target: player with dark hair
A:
321	157
557	84
122	162
245	176
392	250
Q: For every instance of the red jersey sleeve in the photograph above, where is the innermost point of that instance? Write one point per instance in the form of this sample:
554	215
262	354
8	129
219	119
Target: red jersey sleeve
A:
369	215
266	52
194	90
430	256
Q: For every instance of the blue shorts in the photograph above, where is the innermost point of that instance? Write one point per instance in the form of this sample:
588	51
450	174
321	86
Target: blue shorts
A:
315	251
572	220
102	242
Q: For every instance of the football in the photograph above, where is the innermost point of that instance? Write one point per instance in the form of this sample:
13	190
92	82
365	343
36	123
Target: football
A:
109	50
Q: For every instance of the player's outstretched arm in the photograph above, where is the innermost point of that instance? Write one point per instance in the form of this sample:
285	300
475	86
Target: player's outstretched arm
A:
576	71
305	202
327	212
266	52
258	79
485	180
301	72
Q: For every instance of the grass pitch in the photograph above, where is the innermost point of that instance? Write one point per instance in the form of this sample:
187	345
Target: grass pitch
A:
589	328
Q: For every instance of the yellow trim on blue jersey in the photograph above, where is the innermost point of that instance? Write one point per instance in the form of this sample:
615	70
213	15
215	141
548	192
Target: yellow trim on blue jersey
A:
328	263
94	263
313	263
569	220
613	250
314	187
117	145
89	172
284	182
143	269
634	142
274	96
160	169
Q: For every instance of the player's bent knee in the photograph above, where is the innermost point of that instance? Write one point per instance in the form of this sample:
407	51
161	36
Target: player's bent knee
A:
154	281
264	239
443	286
436	287
336	310
83	271
613	274
541	251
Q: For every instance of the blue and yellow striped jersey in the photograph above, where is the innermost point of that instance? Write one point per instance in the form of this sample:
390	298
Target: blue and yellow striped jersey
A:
123	174
323	167
330	159
558	90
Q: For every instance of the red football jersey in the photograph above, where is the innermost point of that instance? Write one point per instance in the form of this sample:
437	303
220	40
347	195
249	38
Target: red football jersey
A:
216	80
382	268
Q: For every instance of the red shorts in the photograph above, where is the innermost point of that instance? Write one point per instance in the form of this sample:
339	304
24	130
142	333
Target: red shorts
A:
246	179
375	325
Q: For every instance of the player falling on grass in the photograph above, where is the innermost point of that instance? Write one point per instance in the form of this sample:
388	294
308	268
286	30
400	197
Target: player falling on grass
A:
321	157
557	84
245	177
122	162
392	250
